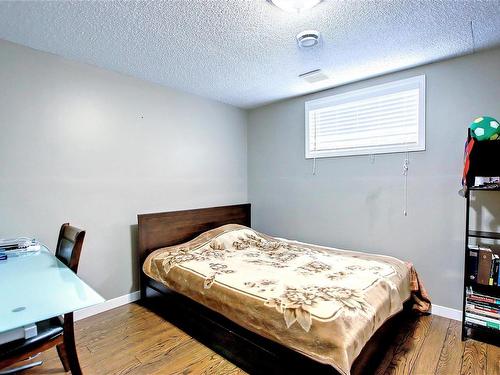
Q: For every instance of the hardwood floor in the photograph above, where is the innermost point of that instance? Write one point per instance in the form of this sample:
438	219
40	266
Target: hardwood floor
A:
133	340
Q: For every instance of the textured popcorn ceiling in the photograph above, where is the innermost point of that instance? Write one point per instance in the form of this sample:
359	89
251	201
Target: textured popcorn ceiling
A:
244	52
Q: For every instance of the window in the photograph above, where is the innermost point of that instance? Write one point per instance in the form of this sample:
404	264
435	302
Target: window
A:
375	120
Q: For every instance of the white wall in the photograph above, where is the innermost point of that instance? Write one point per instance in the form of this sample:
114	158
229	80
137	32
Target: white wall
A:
354	204
95	148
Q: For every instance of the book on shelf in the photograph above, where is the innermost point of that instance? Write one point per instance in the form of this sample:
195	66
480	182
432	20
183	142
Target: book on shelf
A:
476	323
483	318
494	260
492	309
482	311
475	297
473	261
496	271
483	266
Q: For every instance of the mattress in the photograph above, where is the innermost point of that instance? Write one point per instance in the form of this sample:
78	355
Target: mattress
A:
323	302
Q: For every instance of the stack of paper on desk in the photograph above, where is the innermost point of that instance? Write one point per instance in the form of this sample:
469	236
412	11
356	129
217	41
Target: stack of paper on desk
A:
17	245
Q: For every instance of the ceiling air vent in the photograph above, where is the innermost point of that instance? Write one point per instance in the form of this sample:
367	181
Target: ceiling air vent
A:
313	76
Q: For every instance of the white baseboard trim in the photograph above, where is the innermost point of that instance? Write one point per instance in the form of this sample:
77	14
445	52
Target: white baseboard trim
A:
107	305
447	312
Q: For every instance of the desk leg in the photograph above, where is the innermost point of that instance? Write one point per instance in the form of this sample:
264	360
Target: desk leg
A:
69	346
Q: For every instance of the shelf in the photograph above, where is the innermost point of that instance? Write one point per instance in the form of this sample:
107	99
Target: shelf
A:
483	329
481	234
491	331
484	334
475	188
483	162
488	290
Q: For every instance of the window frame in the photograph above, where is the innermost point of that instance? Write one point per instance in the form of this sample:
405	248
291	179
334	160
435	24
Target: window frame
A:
364	93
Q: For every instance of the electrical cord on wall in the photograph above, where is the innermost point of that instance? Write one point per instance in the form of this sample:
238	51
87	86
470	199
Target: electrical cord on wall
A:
472	37
406	166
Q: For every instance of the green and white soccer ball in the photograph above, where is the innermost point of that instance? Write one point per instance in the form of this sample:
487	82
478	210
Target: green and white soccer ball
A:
485	129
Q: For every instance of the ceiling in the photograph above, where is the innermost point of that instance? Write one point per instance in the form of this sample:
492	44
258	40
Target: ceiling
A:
244	52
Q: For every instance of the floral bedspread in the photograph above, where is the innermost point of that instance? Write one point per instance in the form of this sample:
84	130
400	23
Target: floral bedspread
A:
323	302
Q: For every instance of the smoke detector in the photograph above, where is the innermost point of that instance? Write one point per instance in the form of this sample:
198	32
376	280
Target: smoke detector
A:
307	38
295	6
314	76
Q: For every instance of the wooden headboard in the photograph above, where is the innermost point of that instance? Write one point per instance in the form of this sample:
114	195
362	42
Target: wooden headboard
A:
163	229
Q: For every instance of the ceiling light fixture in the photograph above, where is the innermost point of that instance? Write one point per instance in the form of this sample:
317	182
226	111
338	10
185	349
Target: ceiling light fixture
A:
295	6
307	38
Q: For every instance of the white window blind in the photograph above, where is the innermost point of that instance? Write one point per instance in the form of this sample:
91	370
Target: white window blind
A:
379	119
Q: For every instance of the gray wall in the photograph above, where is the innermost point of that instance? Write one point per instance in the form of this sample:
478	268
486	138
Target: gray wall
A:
95	148
355	204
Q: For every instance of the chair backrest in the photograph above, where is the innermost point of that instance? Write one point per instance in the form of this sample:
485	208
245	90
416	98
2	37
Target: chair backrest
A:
69	246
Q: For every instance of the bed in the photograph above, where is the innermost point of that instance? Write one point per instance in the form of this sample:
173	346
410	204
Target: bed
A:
269	304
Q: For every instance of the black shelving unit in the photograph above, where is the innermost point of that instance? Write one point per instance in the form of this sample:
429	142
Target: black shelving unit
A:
487	235
489	335
483	162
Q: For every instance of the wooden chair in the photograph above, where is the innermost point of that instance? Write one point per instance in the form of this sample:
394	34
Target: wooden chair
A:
58	331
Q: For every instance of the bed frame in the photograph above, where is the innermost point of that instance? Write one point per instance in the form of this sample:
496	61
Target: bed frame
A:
249	351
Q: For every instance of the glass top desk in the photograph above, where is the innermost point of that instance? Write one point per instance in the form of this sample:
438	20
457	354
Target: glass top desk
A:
37	286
